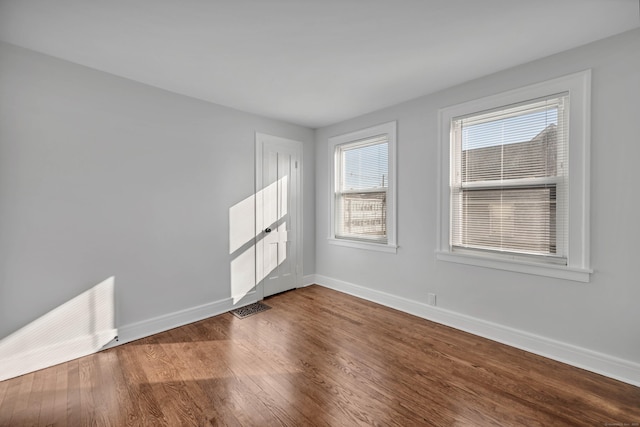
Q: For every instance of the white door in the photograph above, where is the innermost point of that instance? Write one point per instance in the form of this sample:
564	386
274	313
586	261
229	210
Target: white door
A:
278	214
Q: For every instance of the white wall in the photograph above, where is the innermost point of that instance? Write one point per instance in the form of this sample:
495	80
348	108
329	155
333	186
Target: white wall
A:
101	176
601	316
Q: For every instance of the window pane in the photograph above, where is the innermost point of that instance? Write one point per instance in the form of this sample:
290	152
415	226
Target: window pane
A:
361	198
366	167
523	146
363	215
520	220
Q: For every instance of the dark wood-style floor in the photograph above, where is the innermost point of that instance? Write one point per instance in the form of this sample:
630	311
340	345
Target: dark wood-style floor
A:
318	357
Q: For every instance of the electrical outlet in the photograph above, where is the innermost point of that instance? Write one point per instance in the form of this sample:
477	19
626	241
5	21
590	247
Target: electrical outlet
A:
432	299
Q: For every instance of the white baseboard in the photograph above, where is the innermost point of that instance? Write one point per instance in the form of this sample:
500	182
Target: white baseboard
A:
600	363
75	328
24	362
604	364
155	325
308	280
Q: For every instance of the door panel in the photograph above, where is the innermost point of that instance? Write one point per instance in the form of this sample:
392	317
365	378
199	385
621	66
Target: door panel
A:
278	214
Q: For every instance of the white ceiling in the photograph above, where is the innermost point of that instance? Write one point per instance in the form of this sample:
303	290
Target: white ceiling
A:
310	62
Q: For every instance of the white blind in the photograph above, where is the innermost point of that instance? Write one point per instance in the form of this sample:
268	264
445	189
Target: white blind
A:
362	179
509	180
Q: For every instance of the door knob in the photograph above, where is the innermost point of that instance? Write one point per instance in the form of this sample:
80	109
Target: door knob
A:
267	230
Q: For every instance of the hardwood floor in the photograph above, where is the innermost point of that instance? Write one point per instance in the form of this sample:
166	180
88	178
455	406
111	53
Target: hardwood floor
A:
318	357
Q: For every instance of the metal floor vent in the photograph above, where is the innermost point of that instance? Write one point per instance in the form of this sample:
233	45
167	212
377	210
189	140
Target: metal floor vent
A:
249	310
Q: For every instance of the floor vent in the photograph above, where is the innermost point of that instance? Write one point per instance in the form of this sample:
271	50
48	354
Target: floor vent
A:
249	310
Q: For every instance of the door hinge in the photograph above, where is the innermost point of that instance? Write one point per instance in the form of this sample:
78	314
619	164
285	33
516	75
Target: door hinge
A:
296	164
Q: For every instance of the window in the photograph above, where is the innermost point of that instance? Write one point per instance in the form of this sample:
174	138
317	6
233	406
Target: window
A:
363	188
508	182
516	172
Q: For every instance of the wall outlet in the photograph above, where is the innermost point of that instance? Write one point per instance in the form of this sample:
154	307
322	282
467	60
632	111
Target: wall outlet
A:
432	299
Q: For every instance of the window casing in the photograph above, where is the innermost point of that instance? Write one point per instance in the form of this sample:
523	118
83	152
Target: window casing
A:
514	180
362	186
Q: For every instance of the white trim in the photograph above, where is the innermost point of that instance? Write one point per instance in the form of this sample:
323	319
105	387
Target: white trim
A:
546	270
308	280
578	262
610	366
364	245
389	129
144	328
43	357
600	363
76	328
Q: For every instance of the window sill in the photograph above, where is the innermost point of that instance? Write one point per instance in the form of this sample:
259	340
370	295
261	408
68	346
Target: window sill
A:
556	271
380	247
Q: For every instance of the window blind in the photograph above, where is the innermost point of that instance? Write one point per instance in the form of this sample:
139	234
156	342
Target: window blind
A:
509	184
361	189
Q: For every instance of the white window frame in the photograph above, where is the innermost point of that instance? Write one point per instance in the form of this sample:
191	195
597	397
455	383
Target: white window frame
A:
578	86
388	129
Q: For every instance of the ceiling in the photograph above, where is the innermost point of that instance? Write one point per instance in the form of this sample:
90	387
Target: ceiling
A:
309	62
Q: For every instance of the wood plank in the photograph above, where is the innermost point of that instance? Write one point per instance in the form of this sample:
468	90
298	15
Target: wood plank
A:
22	399
88	381
59	416
75	412
35	401
47	397
12	395
117	408
318	358
146	409
171	392
4	386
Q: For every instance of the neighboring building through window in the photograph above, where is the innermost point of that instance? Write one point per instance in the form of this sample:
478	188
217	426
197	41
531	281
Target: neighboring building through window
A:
363	192
515	167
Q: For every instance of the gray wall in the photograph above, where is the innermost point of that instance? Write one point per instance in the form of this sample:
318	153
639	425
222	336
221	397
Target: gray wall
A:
602	315
101	176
